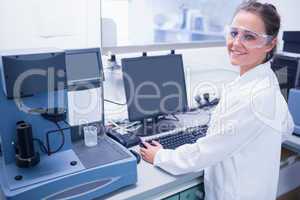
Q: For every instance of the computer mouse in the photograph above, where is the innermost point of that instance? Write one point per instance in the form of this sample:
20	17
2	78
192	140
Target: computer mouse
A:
143	146
137	156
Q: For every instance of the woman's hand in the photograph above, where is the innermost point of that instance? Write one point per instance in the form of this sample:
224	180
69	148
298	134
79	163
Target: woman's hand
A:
150	151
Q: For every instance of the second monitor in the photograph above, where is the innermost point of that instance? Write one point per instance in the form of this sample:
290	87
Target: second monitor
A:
154	86
84	68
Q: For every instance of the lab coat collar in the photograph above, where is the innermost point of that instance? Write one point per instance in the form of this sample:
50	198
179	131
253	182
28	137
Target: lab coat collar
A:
254	73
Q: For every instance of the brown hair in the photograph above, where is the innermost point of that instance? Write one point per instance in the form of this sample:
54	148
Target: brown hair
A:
269	16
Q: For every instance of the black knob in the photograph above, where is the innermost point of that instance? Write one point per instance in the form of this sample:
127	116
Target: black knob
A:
73	163
206	97
18	177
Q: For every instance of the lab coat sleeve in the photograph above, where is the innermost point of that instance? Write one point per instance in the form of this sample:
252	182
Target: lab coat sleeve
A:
228	133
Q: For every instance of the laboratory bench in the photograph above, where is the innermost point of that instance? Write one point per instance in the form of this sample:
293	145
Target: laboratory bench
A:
292	143
154	183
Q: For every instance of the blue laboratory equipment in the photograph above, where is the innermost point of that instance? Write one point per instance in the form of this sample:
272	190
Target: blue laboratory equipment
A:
41	157
293	102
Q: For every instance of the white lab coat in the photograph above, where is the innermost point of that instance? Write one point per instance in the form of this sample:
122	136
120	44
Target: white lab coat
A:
241	153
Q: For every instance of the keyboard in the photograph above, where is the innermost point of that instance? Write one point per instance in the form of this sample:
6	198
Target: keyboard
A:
174	140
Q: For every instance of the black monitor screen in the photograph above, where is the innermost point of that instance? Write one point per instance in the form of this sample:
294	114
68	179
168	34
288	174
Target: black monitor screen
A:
287	72
29	74
154	85
84	65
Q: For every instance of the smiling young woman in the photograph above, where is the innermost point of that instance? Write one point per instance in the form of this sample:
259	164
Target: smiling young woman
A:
252	36
241	152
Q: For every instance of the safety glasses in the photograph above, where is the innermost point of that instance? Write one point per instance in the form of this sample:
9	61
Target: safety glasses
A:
248	38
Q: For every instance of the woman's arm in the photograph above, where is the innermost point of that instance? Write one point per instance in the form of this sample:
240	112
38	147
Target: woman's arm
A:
228	133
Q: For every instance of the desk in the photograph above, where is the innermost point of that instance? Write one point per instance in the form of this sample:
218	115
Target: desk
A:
154	183
289	177
292	143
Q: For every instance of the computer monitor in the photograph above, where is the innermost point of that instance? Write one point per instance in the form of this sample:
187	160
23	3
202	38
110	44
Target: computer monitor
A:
154	86
26	73
84	67
287	70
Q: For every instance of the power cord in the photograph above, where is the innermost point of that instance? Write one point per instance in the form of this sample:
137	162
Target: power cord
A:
209	119
42	146
67	123
48	143
113	102
126	127
175	118
53	115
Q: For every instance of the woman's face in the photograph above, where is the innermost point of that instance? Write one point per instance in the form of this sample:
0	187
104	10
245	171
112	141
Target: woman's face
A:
241	51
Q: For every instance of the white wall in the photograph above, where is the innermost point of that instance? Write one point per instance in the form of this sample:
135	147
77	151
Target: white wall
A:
114	16
49	23
143	33
289	13
76	23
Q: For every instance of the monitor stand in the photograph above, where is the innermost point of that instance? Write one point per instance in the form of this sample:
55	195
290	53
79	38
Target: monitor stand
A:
154	126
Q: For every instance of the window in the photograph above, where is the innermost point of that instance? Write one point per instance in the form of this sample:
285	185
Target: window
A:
147	22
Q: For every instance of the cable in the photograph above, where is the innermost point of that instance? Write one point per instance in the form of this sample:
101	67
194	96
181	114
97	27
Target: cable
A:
194	111
129	127
62	143
165	117
115	124
54	118
175	118
117	103
41	145
67	123
63	138
209	119
133	124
